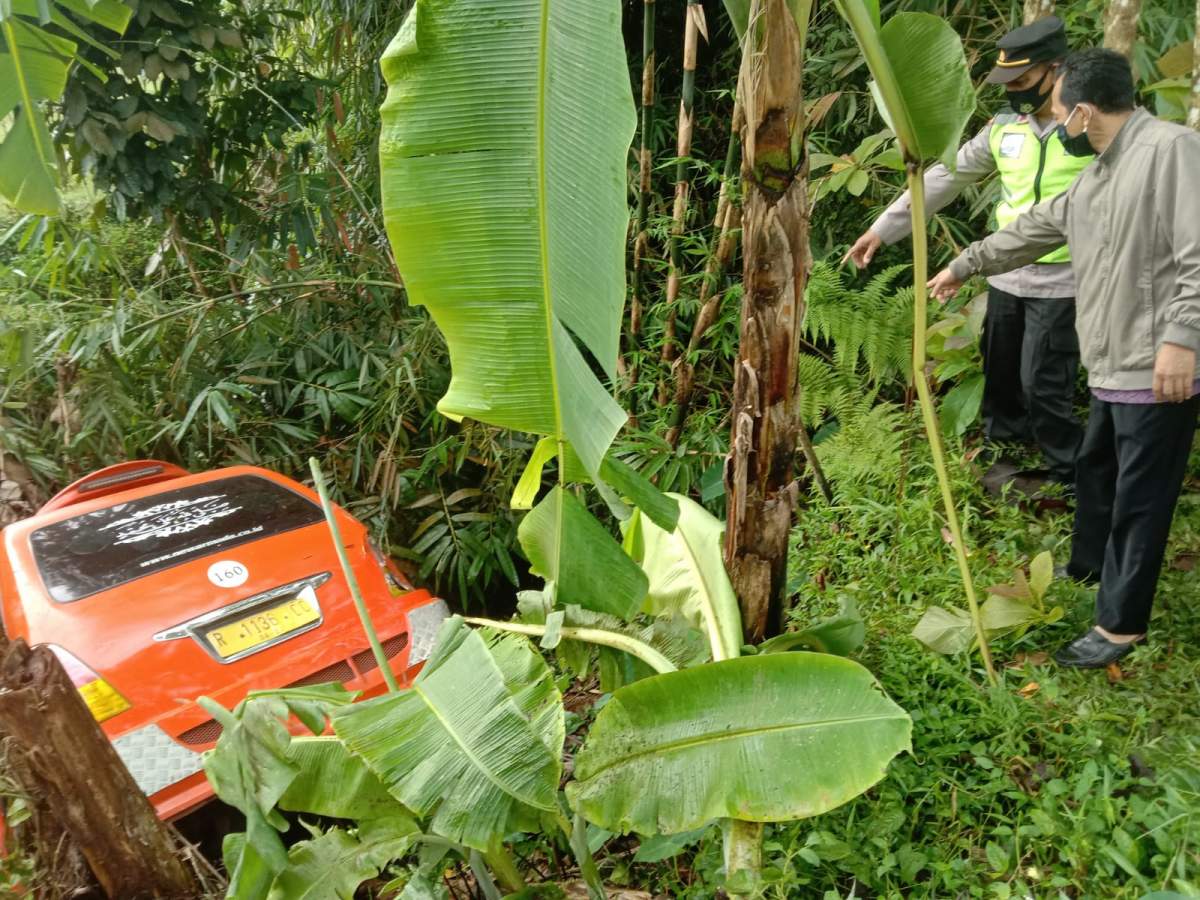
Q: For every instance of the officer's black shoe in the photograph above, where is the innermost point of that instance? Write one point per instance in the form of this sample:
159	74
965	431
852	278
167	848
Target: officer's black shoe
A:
1092	651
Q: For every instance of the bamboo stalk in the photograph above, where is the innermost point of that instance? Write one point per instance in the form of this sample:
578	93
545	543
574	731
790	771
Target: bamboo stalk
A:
727	224
693	27
645	168
360	604
916	187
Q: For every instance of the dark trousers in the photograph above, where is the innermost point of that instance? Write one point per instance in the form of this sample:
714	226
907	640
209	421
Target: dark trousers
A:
1131	467
1030	363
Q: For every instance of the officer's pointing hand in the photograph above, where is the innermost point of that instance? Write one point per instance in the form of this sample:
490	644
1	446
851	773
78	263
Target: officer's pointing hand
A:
944	285
864	249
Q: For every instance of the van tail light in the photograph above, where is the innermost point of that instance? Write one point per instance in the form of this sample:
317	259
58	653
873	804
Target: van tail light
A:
396	583
101	698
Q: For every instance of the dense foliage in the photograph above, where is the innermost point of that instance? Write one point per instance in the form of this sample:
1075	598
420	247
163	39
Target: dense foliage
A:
220	291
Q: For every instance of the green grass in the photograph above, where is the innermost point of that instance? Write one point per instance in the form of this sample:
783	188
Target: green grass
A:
1074	787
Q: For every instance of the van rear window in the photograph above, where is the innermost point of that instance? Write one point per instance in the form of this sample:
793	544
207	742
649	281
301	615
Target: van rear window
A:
100	550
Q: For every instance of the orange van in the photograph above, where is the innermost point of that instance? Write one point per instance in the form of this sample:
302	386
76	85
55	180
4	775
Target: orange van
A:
155	586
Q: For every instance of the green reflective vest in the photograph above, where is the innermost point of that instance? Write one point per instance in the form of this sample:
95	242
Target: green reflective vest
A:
1031	170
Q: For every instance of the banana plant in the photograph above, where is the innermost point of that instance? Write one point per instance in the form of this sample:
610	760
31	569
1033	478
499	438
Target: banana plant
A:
504	199
922	88
34	62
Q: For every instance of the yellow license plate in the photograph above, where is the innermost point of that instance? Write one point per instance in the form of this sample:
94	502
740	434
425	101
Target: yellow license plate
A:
262	627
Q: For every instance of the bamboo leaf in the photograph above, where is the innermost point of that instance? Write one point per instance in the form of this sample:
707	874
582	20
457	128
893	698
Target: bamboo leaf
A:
760	738
497	111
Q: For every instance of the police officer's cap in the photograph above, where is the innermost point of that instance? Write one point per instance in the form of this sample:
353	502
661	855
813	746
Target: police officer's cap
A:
1020	50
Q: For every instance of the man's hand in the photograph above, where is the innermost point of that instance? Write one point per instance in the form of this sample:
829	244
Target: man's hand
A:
1174	372
864	249
944	285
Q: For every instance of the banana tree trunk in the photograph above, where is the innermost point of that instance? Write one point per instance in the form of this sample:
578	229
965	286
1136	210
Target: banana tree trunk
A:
81	782
1193	116
693	28
760	478
645	168
1121	25
1038	9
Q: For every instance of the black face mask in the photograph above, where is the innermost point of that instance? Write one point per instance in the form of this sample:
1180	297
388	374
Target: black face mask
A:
1079	145
1027	101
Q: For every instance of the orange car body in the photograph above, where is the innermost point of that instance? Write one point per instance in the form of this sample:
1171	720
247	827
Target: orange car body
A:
156	586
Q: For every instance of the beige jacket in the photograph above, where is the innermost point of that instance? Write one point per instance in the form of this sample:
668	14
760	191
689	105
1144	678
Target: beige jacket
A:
1132	221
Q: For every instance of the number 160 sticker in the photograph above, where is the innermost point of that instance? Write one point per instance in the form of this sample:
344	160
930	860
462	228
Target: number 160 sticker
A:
228	574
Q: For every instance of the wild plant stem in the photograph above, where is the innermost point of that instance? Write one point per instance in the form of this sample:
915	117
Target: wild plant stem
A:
743	847
500	861
605	638
916	187
576	834
364	615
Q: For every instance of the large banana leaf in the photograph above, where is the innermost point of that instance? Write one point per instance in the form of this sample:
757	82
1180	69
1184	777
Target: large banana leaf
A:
922	85
334	784
476	742
504	146
760	738
567	546
687	575
332	865
33	71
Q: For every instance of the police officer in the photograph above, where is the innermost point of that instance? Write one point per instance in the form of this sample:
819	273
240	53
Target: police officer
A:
1030	351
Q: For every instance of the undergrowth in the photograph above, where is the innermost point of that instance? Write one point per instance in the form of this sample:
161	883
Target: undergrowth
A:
1056	784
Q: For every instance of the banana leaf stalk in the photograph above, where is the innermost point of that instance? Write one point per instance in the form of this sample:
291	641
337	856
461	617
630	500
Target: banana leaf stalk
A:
645	168
928	121
364	614
693	28
600	636
916	186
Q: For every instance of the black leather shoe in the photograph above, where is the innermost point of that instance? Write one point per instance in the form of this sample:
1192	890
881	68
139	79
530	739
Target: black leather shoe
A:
1092	651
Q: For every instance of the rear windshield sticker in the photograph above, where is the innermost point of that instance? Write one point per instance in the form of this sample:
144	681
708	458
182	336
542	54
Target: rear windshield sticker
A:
166	519
100	550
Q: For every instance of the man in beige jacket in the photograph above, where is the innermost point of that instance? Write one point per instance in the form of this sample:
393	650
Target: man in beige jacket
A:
1132	222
